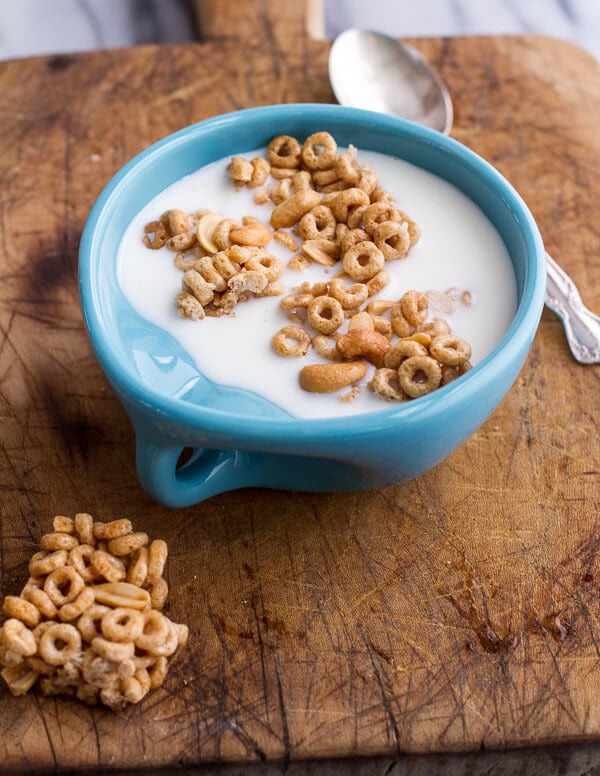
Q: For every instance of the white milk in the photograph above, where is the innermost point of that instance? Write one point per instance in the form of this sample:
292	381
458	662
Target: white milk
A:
459	248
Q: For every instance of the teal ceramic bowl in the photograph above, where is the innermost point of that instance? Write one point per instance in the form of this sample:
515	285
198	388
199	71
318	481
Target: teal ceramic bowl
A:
235	439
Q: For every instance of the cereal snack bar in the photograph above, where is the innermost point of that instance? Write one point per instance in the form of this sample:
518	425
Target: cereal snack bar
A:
88	622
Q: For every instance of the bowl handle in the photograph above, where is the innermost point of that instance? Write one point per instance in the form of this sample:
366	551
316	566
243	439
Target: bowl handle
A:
179	477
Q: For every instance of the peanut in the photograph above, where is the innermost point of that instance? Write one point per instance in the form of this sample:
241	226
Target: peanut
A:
327	378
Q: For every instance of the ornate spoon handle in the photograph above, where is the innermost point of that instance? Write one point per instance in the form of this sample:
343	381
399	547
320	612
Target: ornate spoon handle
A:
581	325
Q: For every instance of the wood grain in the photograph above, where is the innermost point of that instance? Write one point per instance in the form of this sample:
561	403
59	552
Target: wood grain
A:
454	612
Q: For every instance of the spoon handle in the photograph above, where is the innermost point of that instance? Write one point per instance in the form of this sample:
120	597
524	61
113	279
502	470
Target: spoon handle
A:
582	326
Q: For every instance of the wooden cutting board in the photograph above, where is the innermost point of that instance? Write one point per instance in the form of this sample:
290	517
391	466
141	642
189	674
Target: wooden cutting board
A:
454	612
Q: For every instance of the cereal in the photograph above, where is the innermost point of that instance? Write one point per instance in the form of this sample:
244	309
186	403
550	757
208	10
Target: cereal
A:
72	633
291	341
284	151
319	151
419	375
450	350
325	314
385	384
363	261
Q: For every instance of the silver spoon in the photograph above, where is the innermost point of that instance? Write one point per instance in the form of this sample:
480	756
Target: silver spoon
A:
373	71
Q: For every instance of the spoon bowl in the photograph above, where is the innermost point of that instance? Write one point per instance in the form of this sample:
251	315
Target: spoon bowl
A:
373	71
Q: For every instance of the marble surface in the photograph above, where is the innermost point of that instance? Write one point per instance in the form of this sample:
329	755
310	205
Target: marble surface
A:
31	27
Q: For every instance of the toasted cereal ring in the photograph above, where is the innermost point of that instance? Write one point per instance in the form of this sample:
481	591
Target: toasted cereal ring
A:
169	646
206	268
281	191
125	545
379	212
155	630
434	327
138	567
392	239
33	583
44	603
115	651
401	350
284	151
413	229
183	633
113	529
381	195
268	264
73	610
159	593
378	282
84	528
351	237
58	541
450	350
156	235
63	585
399	323
59	644
132	689
368	179
157	671
240	170
17	638
347	168
62	524
325	346
291	341
80	558
347	202
220	234
109	567
318	223
383	326
363	261
385	384
355	218
224	265
414	306
260	172
319	151
450	373
302	180
43	563
122	624
419	375
325	314
348	297
157	559
89	622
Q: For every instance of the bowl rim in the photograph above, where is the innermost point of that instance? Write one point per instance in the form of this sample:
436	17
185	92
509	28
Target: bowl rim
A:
516	339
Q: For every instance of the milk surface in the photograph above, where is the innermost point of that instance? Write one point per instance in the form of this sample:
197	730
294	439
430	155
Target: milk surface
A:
459	248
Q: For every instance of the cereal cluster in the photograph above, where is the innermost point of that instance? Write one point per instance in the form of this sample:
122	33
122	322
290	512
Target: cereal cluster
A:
223	262
88	622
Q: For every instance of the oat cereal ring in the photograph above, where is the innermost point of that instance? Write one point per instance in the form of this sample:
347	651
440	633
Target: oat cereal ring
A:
284	151
413	229
383	326
355	217
347	168
17	638
381	195
274	288
450	373
401	350
155	630
124	545
281	191
399	323
206	268
351	237
325	314
159	592
363	261
378	282
347	202
42	563
63	585
178	221
157	672
62	524
80	558
183	633
107	566
73	610
268	264
33	583
122	624
224	265
414	306
58	541
59	644
434	328
44	604
296	300
138	567
319	151
181	242
189	307
240	170
291	341
135	688
379	212
169	646
385	384
89	622
220	235
84	528
325	346
157	559
450	350
419	375
156	235
368	179
392	239
283	173
114	651
348	297
113	529
318	223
